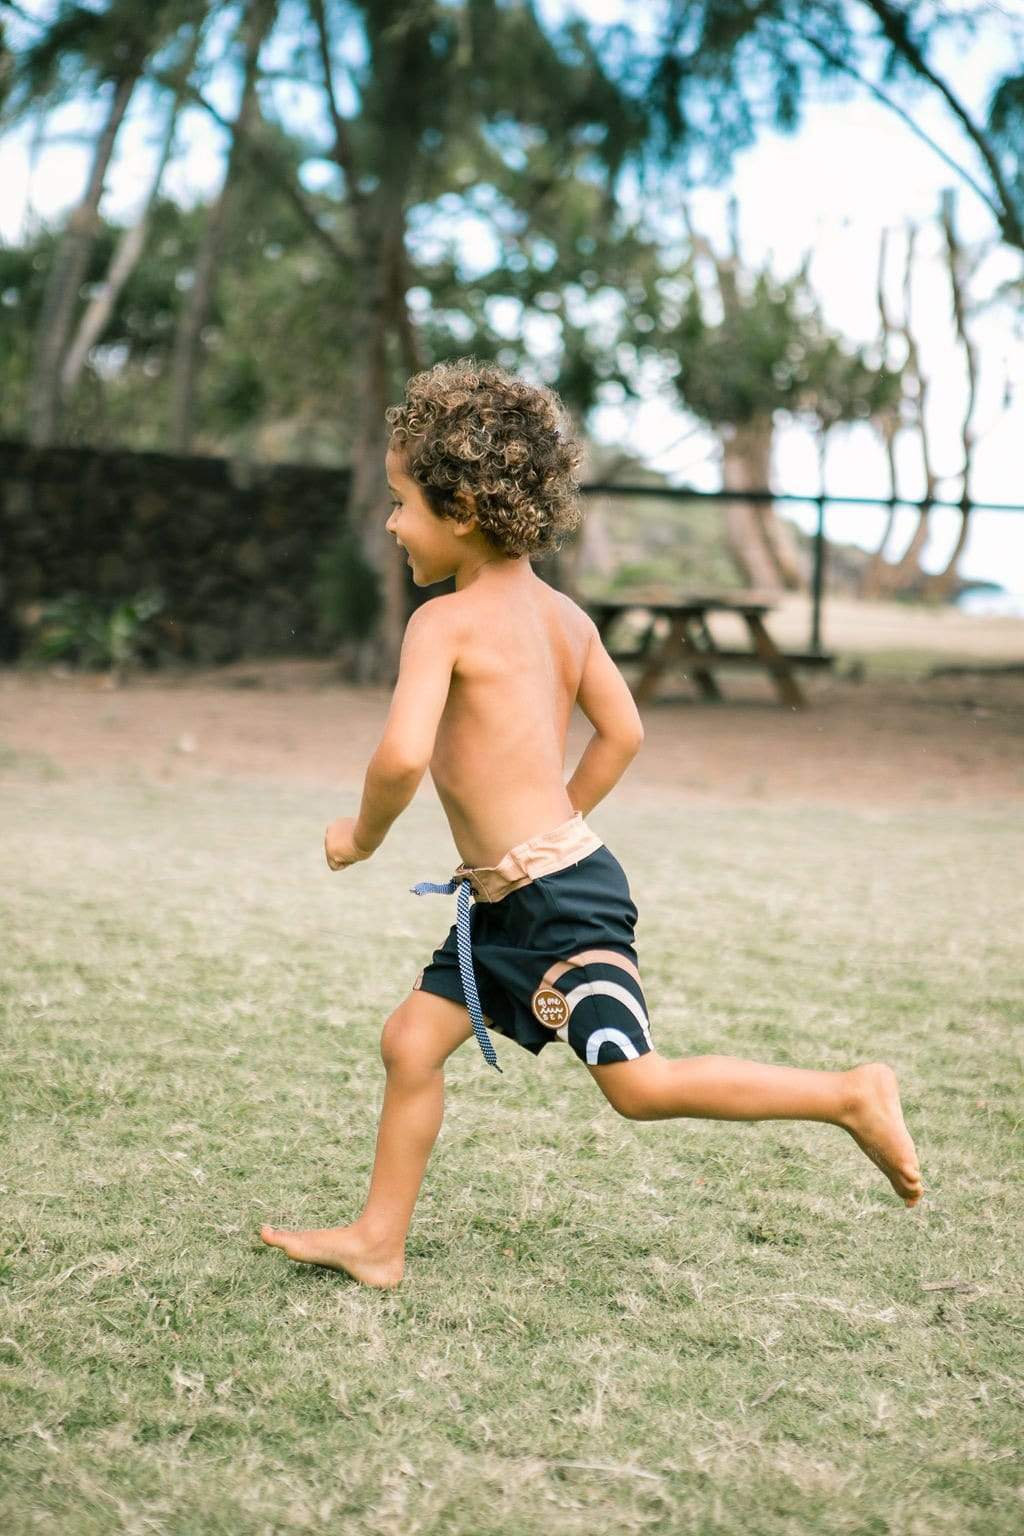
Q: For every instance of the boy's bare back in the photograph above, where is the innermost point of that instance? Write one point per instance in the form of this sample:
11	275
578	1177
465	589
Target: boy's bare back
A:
481	469
525	654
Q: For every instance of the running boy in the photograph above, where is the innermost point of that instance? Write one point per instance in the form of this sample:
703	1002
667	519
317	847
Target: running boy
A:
482	470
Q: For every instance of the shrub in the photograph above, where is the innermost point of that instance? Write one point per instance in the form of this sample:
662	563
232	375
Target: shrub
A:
93	635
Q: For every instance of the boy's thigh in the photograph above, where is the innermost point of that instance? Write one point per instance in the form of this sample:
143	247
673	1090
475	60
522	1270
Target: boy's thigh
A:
424	1029
632	1087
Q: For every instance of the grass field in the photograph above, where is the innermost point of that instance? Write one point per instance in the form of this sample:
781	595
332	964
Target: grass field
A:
605	1326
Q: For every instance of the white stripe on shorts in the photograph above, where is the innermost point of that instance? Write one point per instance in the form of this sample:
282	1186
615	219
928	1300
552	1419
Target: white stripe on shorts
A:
610	989
600	1036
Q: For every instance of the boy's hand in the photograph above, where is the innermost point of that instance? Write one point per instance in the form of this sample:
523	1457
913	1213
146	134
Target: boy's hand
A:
340	846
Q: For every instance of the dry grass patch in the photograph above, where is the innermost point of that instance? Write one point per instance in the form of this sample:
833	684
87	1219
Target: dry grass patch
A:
683	1327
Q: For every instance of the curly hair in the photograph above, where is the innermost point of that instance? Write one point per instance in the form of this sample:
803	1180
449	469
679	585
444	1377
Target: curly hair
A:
473	427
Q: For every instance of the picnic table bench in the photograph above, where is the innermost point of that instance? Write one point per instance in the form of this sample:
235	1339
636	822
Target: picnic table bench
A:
690	643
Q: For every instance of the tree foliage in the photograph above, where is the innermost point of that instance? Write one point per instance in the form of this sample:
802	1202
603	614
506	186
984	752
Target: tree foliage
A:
343	259
723	69
772	351
489	119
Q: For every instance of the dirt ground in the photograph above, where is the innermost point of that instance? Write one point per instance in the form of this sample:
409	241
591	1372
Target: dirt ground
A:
876	742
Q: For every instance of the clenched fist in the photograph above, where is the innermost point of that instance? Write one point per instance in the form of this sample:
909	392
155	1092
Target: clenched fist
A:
340	846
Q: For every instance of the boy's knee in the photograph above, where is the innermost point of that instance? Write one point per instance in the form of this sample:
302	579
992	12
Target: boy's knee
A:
631	1108
398	1043
423	1032
627	1086
411	1040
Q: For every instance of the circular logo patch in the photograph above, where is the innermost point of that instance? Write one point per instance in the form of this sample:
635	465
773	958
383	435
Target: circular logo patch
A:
550	1007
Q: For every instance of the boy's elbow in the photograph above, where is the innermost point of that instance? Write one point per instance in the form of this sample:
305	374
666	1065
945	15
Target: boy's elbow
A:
634	737
626	742
631	726
399	764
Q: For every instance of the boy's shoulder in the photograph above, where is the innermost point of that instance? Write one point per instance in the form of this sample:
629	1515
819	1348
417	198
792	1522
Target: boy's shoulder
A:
469	601
433	610
440	624
459	614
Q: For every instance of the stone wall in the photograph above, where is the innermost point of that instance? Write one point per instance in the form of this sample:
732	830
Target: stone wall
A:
232	546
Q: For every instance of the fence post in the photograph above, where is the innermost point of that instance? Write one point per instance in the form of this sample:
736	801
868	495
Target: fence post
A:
819	578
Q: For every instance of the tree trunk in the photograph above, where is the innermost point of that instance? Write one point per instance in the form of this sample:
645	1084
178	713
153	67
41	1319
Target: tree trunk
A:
874	573
905	573
374	658
784	549
889	425
97	314
384	327
66	277
259	19
907	570
940	585
763	547
746	466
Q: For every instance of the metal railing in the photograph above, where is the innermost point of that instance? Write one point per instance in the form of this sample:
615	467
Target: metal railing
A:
821	502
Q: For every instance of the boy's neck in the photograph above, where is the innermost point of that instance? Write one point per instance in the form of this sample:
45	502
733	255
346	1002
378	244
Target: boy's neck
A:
490	567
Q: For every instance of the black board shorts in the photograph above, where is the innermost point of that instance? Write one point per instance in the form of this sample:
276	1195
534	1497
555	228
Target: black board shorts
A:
555	958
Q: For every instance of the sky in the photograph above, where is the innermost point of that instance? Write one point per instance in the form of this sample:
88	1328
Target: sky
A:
850	171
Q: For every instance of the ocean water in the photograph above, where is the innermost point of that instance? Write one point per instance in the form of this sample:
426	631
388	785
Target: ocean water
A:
983	603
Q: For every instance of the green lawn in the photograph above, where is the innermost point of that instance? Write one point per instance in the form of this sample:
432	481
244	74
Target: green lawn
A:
605	1326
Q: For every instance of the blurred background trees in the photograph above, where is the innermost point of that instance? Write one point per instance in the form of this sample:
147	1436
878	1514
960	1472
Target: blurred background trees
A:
407	180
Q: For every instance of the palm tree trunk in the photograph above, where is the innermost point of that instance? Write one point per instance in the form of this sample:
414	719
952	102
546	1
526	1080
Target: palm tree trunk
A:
67	275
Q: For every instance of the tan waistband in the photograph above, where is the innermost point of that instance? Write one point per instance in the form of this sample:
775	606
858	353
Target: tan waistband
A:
544	854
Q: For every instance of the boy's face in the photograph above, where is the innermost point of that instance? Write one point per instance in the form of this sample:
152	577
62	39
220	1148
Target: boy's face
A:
432	543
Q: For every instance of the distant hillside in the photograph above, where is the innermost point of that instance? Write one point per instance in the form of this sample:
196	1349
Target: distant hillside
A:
639	541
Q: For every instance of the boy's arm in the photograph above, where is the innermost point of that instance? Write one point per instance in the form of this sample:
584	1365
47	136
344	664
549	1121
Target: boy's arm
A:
605	699
424	674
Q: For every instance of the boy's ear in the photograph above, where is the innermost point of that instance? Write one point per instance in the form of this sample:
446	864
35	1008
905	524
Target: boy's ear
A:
466	503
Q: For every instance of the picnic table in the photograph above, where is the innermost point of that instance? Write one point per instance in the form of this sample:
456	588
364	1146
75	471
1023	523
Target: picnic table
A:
690	643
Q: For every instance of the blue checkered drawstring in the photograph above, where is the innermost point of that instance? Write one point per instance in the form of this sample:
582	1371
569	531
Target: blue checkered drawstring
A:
465	948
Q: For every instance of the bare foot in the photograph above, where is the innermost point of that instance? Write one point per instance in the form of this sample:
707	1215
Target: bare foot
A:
874	1119
339	1248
